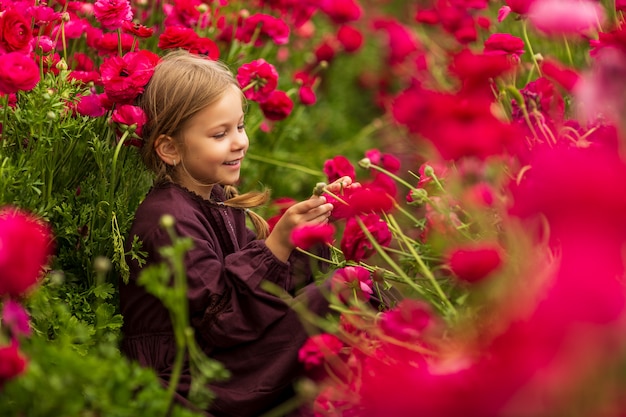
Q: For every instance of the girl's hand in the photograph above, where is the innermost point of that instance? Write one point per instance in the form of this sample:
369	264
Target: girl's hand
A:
315	210
337	186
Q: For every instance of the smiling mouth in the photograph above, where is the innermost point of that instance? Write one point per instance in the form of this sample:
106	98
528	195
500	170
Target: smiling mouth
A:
235	162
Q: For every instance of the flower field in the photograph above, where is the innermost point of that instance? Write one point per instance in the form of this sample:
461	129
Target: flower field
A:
477	271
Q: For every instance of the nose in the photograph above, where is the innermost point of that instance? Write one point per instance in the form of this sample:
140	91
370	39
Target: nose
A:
240	140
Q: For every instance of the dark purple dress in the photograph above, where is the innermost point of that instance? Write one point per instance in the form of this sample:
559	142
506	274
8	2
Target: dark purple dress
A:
255	335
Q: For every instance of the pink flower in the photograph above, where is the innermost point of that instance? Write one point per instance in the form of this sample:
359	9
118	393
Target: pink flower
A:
129	117
337	167
177	37
341	11
277	106
15	32
112	13
307	236
407	321
350	38
362	200
317	349
384	160
350	282
563	76
505	44
18	72
355	245
25	248
258	79
12	363
474	262
125	78
566	17
15	317
137	29
205	46
401	41
270	28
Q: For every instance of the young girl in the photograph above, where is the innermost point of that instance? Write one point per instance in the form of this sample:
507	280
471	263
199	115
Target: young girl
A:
195	141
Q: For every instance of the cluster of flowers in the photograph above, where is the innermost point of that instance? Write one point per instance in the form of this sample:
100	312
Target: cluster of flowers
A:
25	248
511	265
122	55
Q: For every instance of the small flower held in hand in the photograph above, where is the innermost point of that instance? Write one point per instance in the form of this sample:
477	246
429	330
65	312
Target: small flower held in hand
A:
309	235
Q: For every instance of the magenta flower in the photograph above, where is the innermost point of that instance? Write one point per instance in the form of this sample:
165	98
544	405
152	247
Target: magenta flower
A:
355	245
566	17
124	78
277	106
408	320
504	44
15	32
12	363
129	118
112	13
560	74
384	160
337	167
350	38
15	317
177	37
270	28
341	11
474	262
258	79
350	282
309	235
318	348
25	248
18	72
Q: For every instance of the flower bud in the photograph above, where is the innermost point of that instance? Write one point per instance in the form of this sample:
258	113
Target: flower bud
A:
365	163
202	8
61	65
51	115
167	221
419	195
319	188
102	264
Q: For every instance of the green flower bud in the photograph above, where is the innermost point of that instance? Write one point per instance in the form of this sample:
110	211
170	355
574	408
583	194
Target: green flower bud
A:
365	163
167	221
102	264
319	188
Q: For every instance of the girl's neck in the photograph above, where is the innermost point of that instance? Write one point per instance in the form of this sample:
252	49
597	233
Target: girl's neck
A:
203	191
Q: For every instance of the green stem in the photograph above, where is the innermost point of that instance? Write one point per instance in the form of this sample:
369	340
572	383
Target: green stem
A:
568	50
282	164
319	258
391	175
530	48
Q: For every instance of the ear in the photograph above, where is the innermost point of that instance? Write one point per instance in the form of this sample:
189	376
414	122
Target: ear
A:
166	148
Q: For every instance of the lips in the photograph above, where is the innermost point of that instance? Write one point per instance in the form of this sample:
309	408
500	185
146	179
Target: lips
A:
232	163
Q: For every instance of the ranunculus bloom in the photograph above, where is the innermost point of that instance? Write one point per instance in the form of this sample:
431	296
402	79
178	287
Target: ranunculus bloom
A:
25	248
317	349
309	235
269	27
18	72
129	117
205	46
350	282
124	78
12	363
504	44
137	29
277	106
15	33
407	321
15	318
350	38
566	17
384	160
401	41
563	76
337	167
473	262
355	245
112	13
341	11
258	79
177	37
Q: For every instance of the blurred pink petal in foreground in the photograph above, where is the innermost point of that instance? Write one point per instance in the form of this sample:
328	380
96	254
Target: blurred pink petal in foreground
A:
566	17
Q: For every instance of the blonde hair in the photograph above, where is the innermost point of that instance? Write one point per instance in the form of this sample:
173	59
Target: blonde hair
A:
182	85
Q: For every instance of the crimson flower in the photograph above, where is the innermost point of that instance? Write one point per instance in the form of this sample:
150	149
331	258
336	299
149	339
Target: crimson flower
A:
474	262
384	160
401	41
566	17
270	28
307	236
504	44
277	106
317	349
112	13
137	29
131	118
12	363
15	32
408	320
25	248
15	317
560	74
338	167
18	72
205	46
341	11
355	245
177	37
124	78
350	282
307	82
258	79
350	38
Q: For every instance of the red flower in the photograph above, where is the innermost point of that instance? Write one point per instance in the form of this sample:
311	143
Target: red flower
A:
277	106
350	38
137	29
307	236
350	282
355	245
129	117
205	46
258	79
384	160
407	321
338	167
504	44
177	37
25	248
563	76
12	363
15	33
474	262
341	11
18	72
112	13
317	349
271	28
15	317
125	78
90	105
306	92
402	42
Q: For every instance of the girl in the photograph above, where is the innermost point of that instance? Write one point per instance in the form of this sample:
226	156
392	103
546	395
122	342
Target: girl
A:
195	141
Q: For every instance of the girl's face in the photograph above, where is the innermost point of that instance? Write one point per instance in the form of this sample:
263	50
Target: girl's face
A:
215	142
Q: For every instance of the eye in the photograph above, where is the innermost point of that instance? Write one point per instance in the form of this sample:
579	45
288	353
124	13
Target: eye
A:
242	126
219	135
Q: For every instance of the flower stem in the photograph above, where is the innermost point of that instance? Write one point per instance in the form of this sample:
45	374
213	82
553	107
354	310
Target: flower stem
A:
284	164
530	48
